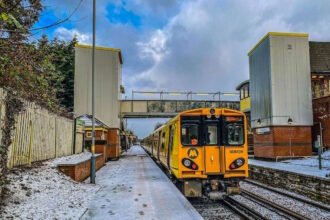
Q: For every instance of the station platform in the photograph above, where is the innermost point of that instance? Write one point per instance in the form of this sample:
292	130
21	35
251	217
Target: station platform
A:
308	167
134	187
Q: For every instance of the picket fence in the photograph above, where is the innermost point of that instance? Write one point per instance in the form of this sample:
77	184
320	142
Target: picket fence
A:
39	134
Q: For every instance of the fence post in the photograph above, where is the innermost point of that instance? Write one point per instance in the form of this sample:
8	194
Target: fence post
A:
31	142
74	130
55	137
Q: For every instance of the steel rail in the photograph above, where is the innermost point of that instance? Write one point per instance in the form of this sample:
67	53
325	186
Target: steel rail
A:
235	205
318	205
274	205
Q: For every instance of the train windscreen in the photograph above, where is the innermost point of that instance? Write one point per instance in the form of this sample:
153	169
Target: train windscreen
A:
199	131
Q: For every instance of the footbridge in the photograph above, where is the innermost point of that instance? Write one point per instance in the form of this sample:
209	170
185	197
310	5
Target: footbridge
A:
167	108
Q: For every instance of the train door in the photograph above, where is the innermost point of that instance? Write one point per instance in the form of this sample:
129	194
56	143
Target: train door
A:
152	145
159	144
212	146
170	146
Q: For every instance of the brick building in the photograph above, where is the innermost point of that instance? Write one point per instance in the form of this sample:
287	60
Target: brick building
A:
319	64
320	74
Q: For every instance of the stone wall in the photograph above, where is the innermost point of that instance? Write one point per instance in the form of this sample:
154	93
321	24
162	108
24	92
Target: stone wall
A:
315	188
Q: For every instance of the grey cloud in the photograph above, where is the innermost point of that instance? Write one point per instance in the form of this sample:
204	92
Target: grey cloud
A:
208	41
204	44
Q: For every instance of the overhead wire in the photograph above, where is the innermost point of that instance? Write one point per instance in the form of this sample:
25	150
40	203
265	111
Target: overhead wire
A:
60	21
50	25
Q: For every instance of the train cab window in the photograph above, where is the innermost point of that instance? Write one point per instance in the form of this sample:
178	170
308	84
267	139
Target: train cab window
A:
212	135
233	131
189	134
235	134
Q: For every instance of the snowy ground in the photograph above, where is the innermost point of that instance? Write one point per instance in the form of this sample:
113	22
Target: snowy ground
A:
306	166
313	161
42	192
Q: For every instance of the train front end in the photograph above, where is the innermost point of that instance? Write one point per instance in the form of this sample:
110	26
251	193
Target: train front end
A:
213	152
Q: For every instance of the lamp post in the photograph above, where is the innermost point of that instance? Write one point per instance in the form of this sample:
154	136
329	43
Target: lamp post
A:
93	159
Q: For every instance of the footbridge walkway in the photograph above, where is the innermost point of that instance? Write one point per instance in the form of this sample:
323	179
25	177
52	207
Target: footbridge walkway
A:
168	108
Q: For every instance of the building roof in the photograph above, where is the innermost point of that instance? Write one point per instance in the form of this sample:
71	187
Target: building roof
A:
319	57
103	48
242	84
281	34
88	121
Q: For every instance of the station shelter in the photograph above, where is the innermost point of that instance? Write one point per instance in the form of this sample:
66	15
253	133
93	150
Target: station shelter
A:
107	140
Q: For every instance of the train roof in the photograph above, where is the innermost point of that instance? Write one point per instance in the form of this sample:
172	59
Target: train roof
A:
200	111
206	111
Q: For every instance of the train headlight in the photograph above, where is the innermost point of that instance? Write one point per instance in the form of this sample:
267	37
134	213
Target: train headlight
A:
187	163
239	162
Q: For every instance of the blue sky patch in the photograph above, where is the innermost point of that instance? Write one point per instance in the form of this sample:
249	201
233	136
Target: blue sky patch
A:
117	14
48	17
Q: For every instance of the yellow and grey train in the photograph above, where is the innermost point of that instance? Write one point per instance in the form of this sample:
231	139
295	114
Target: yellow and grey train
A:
204	149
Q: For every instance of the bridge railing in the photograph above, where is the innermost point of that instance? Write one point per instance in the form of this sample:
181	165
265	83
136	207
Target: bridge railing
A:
155	107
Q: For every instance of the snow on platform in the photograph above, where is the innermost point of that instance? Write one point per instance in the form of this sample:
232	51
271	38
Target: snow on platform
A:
306	166
135	188
42	192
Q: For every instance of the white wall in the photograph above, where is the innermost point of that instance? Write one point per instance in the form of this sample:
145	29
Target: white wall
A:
107	84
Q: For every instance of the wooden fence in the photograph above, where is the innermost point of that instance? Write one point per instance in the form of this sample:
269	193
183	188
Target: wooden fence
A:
39	135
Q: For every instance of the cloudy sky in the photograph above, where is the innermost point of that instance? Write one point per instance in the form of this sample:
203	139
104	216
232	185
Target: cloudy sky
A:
186	45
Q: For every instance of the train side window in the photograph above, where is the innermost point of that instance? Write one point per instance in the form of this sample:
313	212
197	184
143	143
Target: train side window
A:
189	134
163	140
171	138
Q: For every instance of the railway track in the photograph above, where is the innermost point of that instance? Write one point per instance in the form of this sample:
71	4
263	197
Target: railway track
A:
280	210
231	208
212	210
241	209
309	202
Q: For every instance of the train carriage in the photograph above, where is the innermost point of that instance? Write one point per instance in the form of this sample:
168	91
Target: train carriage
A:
204	149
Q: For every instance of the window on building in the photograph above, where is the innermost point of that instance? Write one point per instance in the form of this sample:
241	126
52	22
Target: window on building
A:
246	91
242	93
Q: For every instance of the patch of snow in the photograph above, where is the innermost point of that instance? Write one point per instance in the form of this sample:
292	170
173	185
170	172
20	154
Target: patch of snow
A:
42	192
294	166
69	159
313	161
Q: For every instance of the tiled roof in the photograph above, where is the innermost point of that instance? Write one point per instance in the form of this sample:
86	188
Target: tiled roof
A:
319	56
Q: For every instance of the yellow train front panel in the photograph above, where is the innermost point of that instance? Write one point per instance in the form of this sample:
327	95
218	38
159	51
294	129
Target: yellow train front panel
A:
202	145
